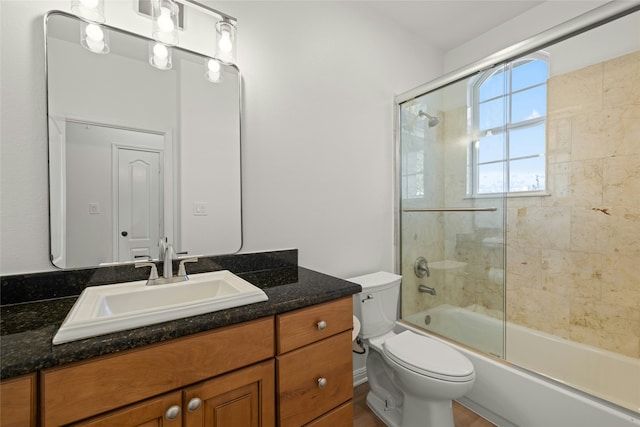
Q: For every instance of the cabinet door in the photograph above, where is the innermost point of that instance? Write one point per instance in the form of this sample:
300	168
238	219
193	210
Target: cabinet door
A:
163	411
244	398
18	401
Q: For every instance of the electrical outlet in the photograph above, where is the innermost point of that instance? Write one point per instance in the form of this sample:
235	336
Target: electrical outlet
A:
200	209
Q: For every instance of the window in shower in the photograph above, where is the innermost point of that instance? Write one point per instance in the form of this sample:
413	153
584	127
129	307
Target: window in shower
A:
508	115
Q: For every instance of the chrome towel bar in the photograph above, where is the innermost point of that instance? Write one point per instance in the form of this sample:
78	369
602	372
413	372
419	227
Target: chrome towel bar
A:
449	209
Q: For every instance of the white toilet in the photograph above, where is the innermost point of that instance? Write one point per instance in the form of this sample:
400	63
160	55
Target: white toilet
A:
412	378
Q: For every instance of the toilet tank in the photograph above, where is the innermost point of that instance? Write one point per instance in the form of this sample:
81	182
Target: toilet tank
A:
377	305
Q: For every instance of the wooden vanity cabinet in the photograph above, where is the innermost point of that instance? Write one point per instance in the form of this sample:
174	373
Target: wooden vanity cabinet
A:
82	390
294	372
18	401
314	373
243	398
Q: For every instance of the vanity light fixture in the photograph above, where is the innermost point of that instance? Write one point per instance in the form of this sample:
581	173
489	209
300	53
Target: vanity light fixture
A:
164	15
94	38
159	55
225	42
212	70
89	10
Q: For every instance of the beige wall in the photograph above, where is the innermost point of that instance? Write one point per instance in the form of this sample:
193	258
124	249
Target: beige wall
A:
573	265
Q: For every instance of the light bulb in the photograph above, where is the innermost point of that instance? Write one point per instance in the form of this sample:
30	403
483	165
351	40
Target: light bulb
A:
213	66
95	45
165	24
214	77
89	4
94	33
160	51
225	43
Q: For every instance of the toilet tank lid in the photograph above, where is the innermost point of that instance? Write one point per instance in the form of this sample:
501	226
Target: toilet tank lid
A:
380	279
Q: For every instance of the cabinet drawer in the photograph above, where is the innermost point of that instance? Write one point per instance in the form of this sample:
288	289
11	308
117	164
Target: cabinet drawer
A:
342	416
301	327
301	399
152	412
84	389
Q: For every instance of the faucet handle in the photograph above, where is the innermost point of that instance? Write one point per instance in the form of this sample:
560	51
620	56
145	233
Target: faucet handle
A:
154	270
182	271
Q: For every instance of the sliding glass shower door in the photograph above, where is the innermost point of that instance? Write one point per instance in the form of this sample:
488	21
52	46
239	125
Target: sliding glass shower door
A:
453	162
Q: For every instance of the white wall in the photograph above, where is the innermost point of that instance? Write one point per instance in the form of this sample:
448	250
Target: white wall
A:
317	136
522	27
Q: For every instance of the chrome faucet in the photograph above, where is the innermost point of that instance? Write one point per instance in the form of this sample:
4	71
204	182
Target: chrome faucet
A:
427	290
153	275
169	255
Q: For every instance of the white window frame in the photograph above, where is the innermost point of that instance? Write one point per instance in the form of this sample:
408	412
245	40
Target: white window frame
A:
474	100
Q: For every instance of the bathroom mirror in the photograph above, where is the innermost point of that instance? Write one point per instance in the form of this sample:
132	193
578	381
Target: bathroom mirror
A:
137	154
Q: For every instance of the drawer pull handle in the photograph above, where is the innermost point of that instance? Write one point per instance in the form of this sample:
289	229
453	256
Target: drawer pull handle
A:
322	325
173	412
322	382
194	404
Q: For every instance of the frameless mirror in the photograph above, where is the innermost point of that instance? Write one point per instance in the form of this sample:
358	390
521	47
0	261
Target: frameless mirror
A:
137	154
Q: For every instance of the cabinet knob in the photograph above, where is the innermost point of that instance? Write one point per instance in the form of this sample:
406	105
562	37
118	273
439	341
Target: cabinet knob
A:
322	382
173	412
194	404
322	325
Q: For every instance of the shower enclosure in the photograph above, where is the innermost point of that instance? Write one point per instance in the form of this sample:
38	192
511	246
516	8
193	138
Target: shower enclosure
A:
519	207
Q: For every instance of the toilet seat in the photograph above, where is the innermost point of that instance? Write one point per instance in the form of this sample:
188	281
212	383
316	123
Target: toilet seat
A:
428	357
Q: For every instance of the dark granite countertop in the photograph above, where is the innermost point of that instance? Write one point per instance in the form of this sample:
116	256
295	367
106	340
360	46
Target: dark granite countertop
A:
27	329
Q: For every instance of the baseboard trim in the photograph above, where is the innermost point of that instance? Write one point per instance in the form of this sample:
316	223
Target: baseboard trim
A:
359	376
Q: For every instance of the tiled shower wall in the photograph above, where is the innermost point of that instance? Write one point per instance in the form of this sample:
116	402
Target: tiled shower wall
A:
573	258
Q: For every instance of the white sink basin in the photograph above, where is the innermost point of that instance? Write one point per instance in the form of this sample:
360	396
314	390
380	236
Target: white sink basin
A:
110	308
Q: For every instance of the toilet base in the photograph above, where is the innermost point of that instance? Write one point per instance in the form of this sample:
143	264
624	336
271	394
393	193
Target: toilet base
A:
390	416
427	413
421	413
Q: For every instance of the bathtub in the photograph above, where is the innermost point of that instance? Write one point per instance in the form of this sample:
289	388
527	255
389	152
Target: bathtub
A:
509	395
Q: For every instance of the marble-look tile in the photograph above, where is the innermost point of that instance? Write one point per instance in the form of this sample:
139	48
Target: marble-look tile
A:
558	139
605	230
606	326
586	183
620	273
621	176
572	273
575	93
621	80
590	135
623	128
544	227
558	184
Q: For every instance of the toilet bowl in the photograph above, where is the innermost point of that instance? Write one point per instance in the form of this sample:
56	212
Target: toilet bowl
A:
412	378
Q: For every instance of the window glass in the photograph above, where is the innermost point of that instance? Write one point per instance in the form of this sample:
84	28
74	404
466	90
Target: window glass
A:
527	74
528	141
491	148
527	174
491	178
529	104
492	114
509	116
493	87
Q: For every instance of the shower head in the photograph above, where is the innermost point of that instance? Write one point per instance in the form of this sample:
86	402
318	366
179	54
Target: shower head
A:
433	121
